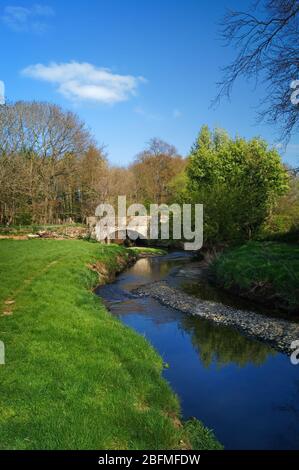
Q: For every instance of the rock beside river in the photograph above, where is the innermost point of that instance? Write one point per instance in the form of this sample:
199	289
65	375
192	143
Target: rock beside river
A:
278	333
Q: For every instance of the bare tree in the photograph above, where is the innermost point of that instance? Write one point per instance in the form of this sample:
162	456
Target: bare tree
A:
266	40
42	128
40	149
154	168
93	177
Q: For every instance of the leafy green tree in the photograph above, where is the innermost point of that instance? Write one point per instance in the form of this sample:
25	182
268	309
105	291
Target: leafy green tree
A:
238	181
283	222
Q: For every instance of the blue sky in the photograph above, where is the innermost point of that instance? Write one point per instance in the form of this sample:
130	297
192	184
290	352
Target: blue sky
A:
131	69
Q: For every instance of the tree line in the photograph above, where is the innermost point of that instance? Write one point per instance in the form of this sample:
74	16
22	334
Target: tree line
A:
52	172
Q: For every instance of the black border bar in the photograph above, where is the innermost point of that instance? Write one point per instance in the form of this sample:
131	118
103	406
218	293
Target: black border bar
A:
146	458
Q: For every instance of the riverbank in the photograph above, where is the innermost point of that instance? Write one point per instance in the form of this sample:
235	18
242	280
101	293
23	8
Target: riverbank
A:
277	333
75	377
221	376
144	252
265	272
25	232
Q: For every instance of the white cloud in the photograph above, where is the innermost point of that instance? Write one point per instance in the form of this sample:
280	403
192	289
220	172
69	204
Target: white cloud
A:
27	19
86	82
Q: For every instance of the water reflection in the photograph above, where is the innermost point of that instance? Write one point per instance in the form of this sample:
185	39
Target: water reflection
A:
239	387
214	344
146	267
222	345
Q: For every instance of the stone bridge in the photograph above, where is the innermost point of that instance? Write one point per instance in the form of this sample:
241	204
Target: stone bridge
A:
120	229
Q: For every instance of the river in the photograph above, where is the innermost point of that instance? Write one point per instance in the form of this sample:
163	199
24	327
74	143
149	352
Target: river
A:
241	388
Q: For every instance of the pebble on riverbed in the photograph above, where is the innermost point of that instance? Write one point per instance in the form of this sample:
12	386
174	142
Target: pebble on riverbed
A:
278	333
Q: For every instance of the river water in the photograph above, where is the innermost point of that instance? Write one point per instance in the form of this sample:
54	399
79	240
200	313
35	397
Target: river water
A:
241	388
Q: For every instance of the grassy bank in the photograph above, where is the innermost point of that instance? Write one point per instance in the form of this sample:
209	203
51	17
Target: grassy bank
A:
267	272
141	251
75	377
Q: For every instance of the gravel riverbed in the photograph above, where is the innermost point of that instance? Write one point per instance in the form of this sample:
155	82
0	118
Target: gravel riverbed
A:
278	333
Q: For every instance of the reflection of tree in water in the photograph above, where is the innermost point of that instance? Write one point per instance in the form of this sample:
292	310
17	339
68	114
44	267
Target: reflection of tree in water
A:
156	267
224	345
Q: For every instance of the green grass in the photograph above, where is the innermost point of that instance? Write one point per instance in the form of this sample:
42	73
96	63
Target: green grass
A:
141	250
267	271
201	437
75	377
